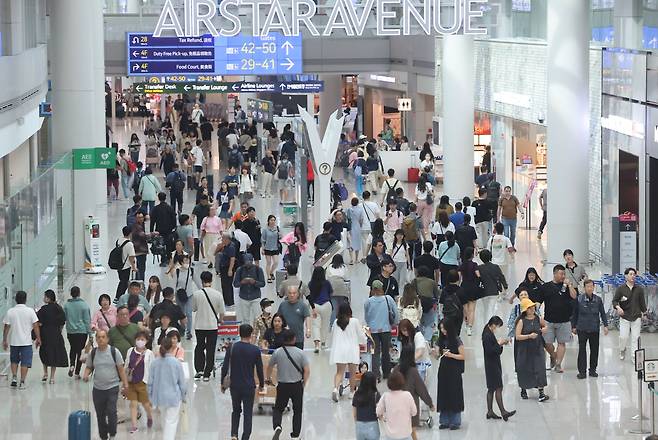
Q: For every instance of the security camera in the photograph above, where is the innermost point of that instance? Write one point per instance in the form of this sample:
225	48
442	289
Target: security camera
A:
541	118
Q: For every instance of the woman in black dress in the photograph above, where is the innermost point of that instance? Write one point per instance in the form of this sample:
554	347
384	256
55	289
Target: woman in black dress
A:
52	351
532	284
530	355
493	348
470	290
450	395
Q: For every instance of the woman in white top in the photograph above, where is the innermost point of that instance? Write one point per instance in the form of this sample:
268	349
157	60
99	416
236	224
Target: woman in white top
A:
440	227
427	162
346	337
409	335
337	267
409	306
392	222
424	200
246	187
399	252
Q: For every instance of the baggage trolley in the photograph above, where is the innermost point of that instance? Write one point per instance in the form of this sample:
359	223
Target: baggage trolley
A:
267	397
227	333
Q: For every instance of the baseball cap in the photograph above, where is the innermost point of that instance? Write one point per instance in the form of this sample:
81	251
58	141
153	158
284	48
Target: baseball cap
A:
377	285
266	302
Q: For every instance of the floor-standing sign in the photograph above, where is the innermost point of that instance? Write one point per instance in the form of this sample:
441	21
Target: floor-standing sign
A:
93	255
627	241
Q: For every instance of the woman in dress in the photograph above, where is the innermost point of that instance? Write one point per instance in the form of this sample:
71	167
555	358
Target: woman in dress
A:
346	337
52	351
106	317
225	203
470	288
319	299
530	358
134	147
424	200
355	217
450	396
413	383
364	407
493	348
400	255
397	408
247	186
270	237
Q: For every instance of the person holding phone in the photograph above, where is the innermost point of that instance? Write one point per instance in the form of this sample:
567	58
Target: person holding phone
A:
530	357
493	348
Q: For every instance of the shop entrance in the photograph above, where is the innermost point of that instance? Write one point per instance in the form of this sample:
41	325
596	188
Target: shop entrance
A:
629	187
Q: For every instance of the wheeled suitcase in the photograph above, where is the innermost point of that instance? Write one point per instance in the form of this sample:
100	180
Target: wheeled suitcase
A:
412	175
80	425
210	178
279	277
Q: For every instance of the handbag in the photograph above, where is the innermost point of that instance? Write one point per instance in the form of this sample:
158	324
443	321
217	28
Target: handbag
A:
226	382
391	313
129	370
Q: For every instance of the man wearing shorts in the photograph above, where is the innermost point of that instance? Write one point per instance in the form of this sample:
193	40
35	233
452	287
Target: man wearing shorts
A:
559	298
199	160
17	336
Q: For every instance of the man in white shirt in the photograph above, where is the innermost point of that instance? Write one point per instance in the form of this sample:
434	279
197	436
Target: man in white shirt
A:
129	262
17	336
242	237
371	212
208	304
389	186
500	246
199	160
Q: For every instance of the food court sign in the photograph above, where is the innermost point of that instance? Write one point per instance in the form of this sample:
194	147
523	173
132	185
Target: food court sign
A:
392	17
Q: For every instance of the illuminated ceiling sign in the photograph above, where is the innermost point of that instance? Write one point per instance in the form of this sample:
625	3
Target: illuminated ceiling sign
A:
512	98
224	19
623	126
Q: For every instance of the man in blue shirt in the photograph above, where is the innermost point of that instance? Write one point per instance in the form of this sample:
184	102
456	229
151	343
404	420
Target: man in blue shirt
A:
457	218
381	314
239	365
585	323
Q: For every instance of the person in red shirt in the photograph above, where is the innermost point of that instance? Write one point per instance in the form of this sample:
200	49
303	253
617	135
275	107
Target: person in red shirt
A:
310	181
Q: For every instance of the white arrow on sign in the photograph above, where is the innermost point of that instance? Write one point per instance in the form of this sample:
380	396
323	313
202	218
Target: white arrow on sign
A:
135	53
235	87
288	64
283	86
139	88
135	67
287	46
186	88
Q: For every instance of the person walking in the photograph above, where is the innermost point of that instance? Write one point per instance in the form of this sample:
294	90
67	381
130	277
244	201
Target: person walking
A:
414	383
319	299
296	313
78	327
19	322
238	367
272	247
508	205
543	203
450	394
106	316
559	300
163	220
449	254
175	181
501	248
138	365
530	359
140	241
427	291
149	187
493	348
106	364
401	256
226	257
492	278
129	261
167	387
52	351
425	200
269	168
355	219
412	228
208	304
470	288
122	335
630	303
409	306
364	404
186	285
396	408
381	314
574	272
249	279
293	373
482	218
346	337
211	230
585	323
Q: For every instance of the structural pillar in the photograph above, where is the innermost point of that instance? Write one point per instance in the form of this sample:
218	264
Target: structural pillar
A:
568	128
628	24
330	99
458	86
33	143
78	96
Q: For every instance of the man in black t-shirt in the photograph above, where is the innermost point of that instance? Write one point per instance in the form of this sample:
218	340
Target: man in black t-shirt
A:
391	287
559	298
323	241
428	260
482	217
172	310
466	236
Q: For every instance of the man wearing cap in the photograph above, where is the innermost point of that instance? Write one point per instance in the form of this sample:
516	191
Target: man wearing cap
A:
381	315
249	279
263	322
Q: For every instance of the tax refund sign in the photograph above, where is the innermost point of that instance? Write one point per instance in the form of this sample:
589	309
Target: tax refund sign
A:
271	54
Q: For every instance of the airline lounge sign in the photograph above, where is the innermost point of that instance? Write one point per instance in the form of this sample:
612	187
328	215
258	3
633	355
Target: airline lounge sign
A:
393	17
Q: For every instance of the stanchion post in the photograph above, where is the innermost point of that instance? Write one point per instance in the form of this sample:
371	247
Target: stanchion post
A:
653	415
640	379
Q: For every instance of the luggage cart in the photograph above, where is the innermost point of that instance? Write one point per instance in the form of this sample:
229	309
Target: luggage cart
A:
365	356
227	333
267	397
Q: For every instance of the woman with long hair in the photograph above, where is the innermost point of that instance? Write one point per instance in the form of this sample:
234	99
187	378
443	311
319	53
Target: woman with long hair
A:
364	406
52	351
297	238
134	147
413	383
470	288
532	284
424	200
409	305
167	387
444	206
409	336
449	253
270	237
400	255
377	232
274	334
225	200
530	359
337	267
319	298
346	337
493	348
154	289
450	394
440	227
175	261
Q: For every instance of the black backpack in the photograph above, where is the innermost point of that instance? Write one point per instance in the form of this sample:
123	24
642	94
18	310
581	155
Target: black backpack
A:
391	190
234	158
178	185
493	190
452	308
116	261
293	256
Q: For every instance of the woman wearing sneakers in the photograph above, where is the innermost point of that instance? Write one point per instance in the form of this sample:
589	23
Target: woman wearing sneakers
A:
346	337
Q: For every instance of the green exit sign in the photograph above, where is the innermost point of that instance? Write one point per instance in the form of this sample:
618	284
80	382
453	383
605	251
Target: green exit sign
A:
94	158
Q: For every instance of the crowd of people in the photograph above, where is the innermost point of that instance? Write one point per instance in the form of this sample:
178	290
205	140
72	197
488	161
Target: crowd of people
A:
429	263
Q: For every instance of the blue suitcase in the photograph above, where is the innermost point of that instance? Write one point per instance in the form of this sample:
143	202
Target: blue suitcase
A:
80	425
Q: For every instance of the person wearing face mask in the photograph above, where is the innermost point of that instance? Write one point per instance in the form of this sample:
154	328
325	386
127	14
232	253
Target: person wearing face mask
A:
138	365
264	321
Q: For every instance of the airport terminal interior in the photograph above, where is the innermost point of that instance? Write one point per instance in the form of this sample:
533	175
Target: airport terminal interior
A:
394	122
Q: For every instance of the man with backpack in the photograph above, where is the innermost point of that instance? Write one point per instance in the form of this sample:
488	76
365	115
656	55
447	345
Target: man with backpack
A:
175	181
389	187
137	176
163	220
235	157
412	226
122	259
226	255
323	241
106	362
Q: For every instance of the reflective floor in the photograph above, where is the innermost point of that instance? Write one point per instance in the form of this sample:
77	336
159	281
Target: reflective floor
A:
600	408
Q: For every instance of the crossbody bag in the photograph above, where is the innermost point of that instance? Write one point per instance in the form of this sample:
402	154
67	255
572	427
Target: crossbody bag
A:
211	306
292	361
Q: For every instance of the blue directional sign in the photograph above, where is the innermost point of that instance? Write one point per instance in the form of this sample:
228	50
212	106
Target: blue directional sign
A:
272	54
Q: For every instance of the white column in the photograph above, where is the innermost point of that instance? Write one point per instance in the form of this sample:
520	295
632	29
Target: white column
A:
77	72
458	85
628	24
133	6
568	128
12	26
34	154
330	99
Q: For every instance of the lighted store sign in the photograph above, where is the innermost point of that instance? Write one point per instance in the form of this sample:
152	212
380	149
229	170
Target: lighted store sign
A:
623	126
224	19
512	98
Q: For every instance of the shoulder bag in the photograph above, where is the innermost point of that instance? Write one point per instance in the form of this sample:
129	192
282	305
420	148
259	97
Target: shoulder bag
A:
391	313
226	382
292	361
211	306
131	370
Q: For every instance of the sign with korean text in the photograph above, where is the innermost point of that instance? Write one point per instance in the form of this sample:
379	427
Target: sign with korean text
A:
93	158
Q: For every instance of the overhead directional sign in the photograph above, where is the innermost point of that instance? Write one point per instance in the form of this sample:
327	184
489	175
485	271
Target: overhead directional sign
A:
272	54
230	87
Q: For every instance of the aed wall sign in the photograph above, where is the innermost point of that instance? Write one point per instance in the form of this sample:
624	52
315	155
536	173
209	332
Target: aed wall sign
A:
93	158
393	17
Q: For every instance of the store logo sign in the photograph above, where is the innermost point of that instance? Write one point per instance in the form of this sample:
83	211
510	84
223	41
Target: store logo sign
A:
512	98
392	17
623	126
